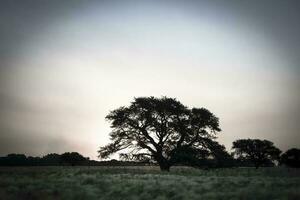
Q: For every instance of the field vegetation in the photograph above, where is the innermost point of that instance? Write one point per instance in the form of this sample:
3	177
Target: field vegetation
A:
148	182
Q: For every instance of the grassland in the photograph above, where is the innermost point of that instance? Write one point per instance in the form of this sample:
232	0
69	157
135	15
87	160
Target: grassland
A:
148	183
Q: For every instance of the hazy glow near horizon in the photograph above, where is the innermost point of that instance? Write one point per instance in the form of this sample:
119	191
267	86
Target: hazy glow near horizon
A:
63	81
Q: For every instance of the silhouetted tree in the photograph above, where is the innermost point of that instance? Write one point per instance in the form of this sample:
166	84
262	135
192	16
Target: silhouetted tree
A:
190	156
72	158
291	158
221	157
33	161
20	160
212	155
52	159
16	159
160	129
259	152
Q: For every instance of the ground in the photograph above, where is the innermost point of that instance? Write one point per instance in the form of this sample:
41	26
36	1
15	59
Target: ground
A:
148	183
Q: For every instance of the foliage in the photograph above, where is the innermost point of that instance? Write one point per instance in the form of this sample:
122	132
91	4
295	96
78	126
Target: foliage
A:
291	158
161	130
259	152
52	159
14	159
72	158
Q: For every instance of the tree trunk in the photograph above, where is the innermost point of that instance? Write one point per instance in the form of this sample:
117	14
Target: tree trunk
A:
163	163
164	167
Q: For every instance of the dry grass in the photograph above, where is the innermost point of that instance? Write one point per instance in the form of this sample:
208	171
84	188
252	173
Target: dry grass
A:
148	183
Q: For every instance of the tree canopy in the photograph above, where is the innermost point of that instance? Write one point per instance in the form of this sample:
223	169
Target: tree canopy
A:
52	159
259	152
162	130
72	158
291	158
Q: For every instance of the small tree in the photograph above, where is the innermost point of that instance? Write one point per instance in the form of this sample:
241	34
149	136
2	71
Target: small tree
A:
160	129
72	158
257	151
15	159
52	159
291	158
221	157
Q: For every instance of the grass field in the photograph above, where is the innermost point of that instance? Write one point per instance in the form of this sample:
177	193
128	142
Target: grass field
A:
148	183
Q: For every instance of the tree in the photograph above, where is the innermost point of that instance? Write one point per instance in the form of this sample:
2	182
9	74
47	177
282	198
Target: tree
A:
160	129
73	158
52	159
14	160
221	157
291	158
259	152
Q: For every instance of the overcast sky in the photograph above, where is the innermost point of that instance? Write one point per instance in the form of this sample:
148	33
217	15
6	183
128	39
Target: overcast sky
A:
65	64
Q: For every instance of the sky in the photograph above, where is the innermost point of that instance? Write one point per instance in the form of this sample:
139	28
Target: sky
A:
65	64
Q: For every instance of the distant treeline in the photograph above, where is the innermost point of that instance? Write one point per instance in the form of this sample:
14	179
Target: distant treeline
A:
290	158
65	159
76	159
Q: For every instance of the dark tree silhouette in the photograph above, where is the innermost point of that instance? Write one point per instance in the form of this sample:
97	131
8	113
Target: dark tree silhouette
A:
72	158
291	158
33	161
212	154
221	157
190	156
52	159
160	129
259	152
15	159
